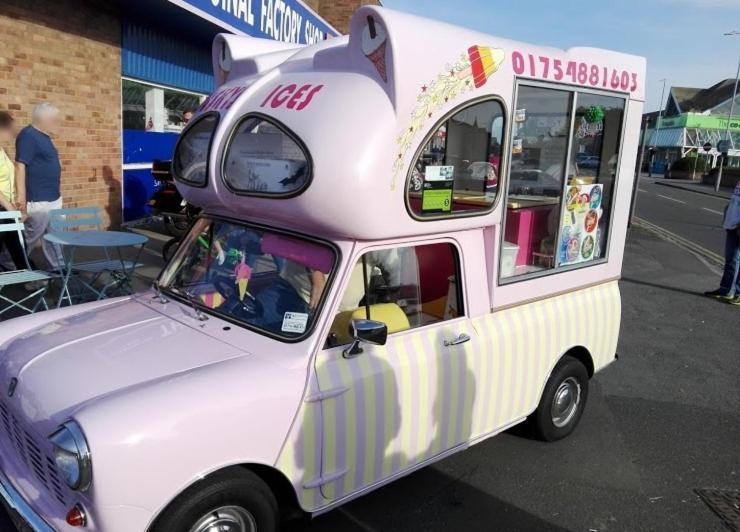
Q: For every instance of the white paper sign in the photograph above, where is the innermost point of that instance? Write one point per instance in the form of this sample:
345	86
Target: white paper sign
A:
438	173
294	322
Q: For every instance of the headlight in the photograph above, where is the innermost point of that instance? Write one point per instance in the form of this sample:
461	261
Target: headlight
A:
72	455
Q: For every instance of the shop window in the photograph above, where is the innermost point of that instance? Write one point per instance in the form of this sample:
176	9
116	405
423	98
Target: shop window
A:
153	108
539	152
562	179
403	287
190	163
265	159
457	171
596	139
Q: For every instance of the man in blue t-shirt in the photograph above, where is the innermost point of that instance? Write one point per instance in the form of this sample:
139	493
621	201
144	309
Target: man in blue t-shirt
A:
729	286
38	176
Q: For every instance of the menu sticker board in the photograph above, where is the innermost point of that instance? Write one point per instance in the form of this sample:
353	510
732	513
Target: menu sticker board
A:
579	235
436	194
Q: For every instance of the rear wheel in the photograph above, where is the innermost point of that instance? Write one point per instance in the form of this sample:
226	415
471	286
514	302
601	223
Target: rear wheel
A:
228	501
562	402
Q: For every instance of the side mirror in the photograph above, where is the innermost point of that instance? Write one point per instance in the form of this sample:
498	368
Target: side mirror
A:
368	331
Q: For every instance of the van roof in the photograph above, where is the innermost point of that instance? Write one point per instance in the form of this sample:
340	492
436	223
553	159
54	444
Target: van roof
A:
375	96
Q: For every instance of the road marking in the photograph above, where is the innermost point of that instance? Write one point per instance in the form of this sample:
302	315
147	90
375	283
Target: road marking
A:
641	189
710	259
712	210
672	199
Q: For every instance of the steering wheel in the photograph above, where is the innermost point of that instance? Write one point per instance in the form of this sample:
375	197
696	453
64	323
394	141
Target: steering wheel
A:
249	307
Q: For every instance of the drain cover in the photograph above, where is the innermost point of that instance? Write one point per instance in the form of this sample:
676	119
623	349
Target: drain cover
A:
726	504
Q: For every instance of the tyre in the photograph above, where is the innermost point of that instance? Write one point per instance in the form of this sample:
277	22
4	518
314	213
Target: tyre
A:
562	402
176	226
235	500
170	248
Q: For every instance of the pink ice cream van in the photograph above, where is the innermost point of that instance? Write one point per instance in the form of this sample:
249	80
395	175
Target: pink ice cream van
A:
401	254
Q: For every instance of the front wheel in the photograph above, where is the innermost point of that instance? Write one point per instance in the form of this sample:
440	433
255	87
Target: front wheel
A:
228	501
562	402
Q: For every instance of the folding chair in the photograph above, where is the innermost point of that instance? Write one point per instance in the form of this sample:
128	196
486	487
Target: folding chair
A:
24	276
86	219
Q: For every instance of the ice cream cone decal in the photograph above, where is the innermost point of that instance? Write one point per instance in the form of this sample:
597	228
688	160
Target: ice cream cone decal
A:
374	44
243	272
484	61
471	71
212	299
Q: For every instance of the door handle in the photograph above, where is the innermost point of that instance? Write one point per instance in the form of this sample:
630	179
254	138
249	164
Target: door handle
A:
461	339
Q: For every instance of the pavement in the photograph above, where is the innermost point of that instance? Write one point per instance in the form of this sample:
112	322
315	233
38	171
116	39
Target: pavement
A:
694	186
660	422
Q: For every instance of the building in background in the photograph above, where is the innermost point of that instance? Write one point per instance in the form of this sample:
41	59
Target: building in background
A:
124	72
691	118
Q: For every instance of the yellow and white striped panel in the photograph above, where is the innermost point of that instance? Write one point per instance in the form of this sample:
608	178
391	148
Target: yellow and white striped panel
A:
398	405
521	345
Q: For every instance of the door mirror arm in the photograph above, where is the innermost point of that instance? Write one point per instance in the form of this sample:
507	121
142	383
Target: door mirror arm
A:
368	331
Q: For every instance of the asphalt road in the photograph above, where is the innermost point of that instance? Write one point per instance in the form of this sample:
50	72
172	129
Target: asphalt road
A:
696	217
660	422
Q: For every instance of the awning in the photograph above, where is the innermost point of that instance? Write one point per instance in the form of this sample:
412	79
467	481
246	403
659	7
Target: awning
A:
666	138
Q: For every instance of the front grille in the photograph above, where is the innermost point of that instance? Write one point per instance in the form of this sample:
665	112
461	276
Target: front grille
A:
41	464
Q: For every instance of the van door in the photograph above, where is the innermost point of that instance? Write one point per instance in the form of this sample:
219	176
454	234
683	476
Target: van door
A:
394	406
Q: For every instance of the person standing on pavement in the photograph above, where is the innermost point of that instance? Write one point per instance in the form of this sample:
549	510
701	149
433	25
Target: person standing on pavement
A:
9	240
38	177
729	286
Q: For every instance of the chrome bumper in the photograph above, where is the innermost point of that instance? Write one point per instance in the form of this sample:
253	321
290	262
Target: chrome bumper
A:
16	502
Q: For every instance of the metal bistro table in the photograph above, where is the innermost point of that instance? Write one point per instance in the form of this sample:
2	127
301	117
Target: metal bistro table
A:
117	267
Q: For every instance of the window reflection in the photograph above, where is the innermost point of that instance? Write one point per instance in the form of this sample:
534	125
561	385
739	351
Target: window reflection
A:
458	169
597	132
538	158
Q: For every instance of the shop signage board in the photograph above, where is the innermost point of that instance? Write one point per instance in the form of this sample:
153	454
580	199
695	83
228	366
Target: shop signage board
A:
280	20
695	120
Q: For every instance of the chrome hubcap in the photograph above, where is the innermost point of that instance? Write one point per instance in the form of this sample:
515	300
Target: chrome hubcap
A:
565	403
226	519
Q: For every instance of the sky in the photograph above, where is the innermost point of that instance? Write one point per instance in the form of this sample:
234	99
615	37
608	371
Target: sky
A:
682	39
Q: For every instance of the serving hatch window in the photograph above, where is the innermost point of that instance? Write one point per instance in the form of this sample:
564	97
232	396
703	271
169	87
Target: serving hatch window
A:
564	162
457	171
265	159
190	162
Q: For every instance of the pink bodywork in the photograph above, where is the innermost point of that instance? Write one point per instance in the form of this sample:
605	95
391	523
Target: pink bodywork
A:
165	399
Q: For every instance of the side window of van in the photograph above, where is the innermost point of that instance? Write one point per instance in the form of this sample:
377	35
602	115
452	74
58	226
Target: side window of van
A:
403	287
564	162
457	171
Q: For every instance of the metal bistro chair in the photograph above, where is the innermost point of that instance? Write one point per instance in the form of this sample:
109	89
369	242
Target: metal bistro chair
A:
81	219
24	276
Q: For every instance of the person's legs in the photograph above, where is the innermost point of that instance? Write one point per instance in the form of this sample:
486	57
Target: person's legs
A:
730	280
37	226
10	242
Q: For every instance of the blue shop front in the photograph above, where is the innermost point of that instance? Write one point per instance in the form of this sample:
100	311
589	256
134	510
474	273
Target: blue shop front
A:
166	70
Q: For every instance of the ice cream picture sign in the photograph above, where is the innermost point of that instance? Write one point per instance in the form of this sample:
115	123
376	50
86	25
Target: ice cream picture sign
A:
471	71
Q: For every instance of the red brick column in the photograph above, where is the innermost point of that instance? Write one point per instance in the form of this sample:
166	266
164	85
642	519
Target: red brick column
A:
339	12
67	52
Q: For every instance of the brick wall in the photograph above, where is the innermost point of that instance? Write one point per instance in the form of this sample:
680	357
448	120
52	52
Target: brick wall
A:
67	52
339	12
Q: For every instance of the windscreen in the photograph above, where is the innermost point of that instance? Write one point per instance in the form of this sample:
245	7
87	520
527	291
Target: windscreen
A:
262	279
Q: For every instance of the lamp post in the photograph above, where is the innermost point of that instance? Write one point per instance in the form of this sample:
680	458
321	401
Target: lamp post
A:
729	116
659	120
